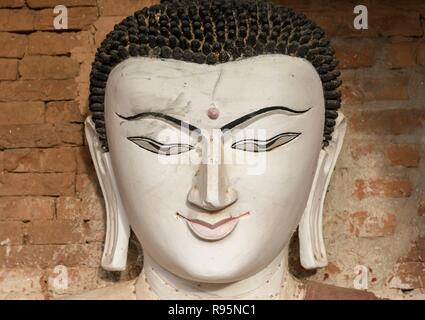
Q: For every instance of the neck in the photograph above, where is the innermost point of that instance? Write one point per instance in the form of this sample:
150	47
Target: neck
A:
273	282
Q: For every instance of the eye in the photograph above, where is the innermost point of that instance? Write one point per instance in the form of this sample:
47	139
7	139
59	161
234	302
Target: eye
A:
254	145
160	148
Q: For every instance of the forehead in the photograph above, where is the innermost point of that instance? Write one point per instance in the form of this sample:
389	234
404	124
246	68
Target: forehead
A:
236	88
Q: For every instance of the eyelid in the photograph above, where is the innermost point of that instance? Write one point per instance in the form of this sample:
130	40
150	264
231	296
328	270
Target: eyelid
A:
157	147
267	145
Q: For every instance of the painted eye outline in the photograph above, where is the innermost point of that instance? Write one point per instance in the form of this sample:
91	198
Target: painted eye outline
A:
266	145
154	146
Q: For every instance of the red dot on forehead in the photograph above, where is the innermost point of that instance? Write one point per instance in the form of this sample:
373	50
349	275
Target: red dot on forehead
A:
213	113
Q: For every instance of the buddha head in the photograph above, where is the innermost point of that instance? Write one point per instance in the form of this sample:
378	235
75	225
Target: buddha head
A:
214	130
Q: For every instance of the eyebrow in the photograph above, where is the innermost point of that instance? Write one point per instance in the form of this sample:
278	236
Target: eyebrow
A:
161	116
228	126
254	114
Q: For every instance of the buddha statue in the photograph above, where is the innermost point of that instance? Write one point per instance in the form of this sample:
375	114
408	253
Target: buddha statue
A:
214	131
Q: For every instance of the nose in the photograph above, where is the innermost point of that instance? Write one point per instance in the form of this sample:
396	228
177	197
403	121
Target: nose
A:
211	190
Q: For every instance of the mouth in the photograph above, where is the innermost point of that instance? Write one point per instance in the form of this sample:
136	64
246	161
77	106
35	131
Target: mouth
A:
215	231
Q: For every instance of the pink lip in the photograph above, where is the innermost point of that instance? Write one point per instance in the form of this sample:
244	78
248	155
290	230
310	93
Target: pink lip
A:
216	231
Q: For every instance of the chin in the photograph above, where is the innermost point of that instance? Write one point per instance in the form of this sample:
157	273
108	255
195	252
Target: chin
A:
227	270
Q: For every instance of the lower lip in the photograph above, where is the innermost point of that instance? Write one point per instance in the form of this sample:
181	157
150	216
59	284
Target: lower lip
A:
215	234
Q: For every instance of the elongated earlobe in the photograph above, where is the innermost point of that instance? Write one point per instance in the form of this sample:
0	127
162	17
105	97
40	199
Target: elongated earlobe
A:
312	246
117	228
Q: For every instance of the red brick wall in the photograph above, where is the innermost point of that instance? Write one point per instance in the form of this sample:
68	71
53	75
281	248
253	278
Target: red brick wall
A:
51	211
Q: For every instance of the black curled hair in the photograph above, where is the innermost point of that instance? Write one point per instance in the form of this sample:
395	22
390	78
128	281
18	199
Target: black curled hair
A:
212	32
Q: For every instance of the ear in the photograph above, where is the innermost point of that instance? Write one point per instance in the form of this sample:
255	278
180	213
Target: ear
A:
312	246
117	228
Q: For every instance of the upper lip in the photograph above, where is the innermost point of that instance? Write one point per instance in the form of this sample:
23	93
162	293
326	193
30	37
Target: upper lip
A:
213	225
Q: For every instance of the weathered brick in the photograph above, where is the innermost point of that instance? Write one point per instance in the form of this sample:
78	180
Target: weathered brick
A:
406	155
400	55
8	69
123	7
27	208
12	45
44	256
16	20
12	3
78	18
421	54
46	90
103	26
354	54
359	151
21	112
11	233
23	282
39	160
84	161
46	67
38	4
63	111
392	122
43	135
382	22
408	276
56	232
384	188
37	184
68	208
416	252
357	91
367	224
50	43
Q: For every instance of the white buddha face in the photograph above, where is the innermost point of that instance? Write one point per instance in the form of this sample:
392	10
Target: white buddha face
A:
214	164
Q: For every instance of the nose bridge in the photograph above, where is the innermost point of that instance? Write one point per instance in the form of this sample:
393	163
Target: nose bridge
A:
215	179
211	189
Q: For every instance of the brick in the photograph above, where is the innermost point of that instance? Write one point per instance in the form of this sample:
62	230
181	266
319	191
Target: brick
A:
421	54
63	111
45	256
105	25
40	160
84	208
38	4
408	276
416	252
123	7
50	43
400	55
78	18
12	3
46	90
27	208
37	184
355	54
407	155
384	188
56	232
12	45
44	136
377	224
21	112
16	20
46	67
395	23
8	69
11	233
393	122
362	150
69	208
393	87
21	281
84	161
